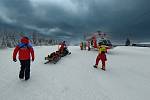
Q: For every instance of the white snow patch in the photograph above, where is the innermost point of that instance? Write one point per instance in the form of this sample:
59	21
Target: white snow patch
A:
127	76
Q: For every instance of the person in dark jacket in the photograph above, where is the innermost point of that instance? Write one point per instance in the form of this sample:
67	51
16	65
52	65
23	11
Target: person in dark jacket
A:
24	51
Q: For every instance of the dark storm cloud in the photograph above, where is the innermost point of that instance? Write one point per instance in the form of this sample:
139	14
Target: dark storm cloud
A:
72	18
18	10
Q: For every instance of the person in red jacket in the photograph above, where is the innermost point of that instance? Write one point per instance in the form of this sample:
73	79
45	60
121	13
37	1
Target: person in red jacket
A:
62	46
24	51
88	45
101	56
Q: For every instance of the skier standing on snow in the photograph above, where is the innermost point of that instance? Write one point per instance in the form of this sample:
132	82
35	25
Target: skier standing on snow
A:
25	52
101	56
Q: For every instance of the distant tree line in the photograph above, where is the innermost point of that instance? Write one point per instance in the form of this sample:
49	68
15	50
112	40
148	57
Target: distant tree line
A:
11	39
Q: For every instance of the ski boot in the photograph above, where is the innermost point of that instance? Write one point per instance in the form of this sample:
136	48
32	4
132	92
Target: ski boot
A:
103	69
95	66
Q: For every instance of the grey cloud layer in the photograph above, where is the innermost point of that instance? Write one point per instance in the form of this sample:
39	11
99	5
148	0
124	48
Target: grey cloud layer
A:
74	17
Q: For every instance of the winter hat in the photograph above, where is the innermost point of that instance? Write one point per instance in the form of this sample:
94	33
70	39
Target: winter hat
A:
64	41
25	40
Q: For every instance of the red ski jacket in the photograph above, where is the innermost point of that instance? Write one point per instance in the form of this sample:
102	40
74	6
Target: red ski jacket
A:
25	50
63	45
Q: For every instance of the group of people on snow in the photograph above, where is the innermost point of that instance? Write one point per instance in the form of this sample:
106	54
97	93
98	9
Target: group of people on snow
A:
102	49
84	44
25	53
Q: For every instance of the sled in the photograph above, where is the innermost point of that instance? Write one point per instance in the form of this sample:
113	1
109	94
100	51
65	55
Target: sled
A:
50	60
53	58
65	52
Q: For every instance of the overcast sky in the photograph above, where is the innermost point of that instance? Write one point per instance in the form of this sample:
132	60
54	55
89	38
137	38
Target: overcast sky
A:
69	19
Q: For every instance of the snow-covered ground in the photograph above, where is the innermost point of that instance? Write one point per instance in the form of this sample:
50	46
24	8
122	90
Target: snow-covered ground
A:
127	76
144	43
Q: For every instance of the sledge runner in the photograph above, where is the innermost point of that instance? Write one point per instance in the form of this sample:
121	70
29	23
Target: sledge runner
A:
25	50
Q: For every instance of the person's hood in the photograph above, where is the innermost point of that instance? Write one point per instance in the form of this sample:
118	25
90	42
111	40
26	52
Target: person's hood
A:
25	40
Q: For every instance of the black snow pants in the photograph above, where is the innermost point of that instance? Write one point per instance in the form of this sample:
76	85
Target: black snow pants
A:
24	69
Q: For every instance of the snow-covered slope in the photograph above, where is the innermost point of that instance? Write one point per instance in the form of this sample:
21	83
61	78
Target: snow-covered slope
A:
127	76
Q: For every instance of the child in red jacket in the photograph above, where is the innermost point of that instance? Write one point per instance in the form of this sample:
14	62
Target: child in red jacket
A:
24	51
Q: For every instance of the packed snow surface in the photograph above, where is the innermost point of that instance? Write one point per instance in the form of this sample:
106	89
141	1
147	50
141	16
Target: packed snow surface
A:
127	76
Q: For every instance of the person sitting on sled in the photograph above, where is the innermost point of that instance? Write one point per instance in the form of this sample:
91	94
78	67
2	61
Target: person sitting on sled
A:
51	56
62	46
101	56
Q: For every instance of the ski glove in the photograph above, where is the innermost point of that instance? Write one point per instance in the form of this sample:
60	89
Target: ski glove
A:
15	60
